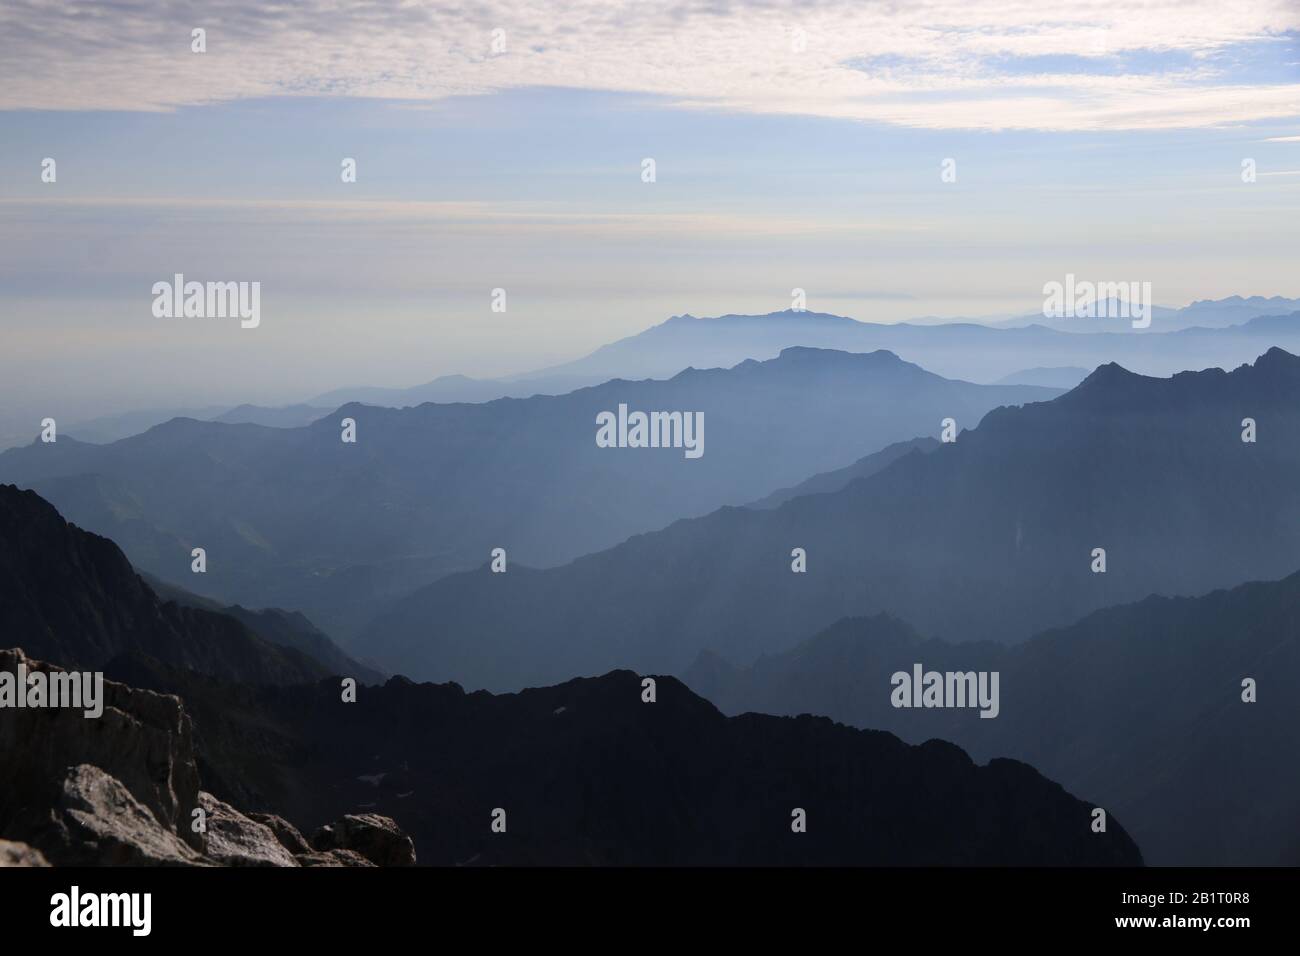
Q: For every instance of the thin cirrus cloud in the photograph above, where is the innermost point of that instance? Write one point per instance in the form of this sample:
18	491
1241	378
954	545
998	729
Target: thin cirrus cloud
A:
950	64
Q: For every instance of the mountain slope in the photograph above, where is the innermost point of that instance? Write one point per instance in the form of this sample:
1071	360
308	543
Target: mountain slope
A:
72	597
987	538
829	481
1138	706
297	518
281	627
589	774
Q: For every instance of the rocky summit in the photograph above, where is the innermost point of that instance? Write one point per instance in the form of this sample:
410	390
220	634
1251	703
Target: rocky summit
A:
124	789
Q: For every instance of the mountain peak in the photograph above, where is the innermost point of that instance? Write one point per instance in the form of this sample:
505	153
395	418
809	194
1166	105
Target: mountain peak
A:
1110	375
877	356
1277	358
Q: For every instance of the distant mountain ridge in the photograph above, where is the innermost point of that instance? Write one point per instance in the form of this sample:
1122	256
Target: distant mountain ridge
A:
111	428
991	537
1140	706
1066	377
954	347
615	770
297	518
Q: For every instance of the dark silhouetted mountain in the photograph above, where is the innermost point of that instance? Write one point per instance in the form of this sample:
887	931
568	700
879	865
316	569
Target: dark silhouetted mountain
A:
297	518
72	597
1138	706
285	628
587	773
988	538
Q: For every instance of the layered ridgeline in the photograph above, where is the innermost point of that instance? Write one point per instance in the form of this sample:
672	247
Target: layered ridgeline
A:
590	772
991	537
616	770
1139	706
299	518
1175	340
1210	332
73	598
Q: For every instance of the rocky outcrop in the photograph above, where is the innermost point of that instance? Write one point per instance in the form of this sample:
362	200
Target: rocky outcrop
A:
123	789
375	837
237	840
97	821
20	854
289	835
143	740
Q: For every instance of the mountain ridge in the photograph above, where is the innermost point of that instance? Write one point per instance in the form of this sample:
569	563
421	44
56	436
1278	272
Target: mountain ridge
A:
990	537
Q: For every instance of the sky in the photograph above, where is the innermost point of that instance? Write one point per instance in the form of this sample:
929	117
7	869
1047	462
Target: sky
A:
501	146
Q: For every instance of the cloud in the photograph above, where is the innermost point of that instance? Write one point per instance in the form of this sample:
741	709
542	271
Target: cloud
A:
970	64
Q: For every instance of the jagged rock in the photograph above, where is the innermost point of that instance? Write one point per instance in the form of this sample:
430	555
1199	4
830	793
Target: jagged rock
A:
289	836
375	837
236	840
98	822
332	858
20	854
144	740
122	788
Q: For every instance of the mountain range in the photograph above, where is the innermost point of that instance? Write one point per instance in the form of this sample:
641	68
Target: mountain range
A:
1139	705
608	770
1217	333
296	517
991	537
1006	351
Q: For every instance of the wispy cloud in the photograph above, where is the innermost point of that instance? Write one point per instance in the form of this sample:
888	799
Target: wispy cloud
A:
991	64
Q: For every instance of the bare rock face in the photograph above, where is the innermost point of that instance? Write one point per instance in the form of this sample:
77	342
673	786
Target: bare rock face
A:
289	836
144	740
237	840
375	837
333	858
20	854
98	822
123	789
